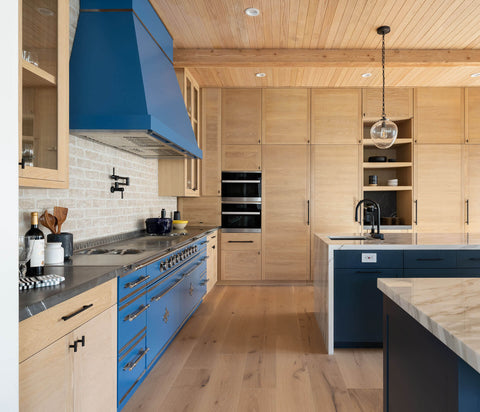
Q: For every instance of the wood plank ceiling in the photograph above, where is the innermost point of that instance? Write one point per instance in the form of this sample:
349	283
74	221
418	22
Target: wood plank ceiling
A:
321	25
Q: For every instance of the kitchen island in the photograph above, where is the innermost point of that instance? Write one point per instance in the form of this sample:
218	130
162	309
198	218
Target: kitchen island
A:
348	306
432	344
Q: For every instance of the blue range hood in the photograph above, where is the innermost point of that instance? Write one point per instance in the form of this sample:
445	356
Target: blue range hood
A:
123	87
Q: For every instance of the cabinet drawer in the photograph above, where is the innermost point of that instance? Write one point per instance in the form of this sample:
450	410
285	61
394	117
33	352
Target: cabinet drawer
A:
241	265
130	284
468	258
132	318
241	241
131	366
382	259
39	331
430	259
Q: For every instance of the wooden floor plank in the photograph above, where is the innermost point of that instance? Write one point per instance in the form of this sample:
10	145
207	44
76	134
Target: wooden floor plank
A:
258	348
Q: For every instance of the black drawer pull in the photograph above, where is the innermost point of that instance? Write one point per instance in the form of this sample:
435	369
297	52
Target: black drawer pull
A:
205	241
240	241
430	259
375	272
131	285
474	259
213	247
84	307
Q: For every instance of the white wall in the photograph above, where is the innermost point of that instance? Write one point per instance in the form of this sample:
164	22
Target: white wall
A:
8	208
93	210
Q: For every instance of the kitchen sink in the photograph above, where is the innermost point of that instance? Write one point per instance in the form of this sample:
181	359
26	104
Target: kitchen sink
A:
359	237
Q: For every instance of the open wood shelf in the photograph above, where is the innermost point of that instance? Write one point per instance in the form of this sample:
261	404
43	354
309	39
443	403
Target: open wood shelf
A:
385	188
34	76
385	165
400	140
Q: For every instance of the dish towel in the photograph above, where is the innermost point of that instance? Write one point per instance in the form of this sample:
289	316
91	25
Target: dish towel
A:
32	282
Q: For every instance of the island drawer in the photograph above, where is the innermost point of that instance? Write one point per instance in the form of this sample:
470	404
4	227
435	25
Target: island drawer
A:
430	259
345	259
468	258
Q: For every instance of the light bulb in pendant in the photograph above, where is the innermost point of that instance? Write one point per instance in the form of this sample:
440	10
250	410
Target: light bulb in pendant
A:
384	133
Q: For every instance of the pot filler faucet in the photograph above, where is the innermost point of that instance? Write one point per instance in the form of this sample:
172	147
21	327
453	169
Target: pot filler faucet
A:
376	206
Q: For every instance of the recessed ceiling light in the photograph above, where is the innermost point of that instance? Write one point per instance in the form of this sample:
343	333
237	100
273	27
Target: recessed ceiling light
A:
251	11
260	74
364	75
475	75
45	12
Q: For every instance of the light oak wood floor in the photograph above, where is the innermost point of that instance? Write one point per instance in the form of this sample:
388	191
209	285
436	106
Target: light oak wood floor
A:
258	348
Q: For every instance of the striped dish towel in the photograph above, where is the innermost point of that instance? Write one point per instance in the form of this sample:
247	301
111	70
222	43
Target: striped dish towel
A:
32	282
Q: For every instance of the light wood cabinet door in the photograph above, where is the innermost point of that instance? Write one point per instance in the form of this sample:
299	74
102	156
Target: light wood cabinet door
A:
472	188
241	265
203	211
212	262
285	212
241	116
241	157
336	116
335	188
211	142
439	115
472	115
439	189
286	116
95	363
45	379
398	104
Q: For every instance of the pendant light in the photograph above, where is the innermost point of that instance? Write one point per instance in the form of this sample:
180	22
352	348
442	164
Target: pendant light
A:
384	132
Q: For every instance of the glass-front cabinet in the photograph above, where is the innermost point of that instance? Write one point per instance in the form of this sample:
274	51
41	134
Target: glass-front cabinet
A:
43	93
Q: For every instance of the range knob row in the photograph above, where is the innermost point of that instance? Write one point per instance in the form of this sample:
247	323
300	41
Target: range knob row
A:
173	260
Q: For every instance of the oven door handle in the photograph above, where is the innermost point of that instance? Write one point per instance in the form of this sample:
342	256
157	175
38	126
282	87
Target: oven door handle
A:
240	213
241	181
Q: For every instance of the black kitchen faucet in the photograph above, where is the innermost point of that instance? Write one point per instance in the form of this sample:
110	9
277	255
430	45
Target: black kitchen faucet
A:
376	206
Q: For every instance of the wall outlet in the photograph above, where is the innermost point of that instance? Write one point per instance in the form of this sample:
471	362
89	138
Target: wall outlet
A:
369	258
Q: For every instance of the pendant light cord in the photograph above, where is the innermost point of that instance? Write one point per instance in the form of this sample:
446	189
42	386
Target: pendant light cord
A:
383	76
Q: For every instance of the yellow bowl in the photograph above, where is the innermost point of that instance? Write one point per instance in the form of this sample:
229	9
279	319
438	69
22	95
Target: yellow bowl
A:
180	224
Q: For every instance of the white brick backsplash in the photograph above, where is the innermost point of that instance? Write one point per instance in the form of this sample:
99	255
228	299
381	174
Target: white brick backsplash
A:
93	210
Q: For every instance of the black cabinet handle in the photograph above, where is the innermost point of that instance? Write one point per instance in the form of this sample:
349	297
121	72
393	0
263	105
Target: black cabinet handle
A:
416	212
468	211
308	212
213	247
240	241
429	259
85	307
82	341
374	272
74	346
22	163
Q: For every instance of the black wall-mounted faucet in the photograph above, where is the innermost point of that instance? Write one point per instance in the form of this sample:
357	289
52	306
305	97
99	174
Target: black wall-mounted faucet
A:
376	206
116	186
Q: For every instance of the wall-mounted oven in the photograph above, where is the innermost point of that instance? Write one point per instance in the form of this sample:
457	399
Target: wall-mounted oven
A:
242	201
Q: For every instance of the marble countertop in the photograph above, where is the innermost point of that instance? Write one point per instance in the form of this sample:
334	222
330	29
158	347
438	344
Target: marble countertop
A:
84	272
407	241
448	308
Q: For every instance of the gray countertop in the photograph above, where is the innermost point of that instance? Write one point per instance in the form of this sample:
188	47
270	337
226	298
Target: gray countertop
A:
84	272
408	241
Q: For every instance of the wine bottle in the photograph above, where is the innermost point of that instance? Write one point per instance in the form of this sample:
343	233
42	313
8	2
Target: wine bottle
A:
37	261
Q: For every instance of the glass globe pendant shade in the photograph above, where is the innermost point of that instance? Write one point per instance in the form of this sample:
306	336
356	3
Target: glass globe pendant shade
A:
384	133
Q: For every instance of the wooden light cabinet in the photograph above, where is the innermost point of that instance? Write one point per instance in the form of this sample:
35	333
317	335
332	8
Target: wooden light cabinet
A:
472	115
398	104
335	188
439	205
286	116
439	115
181	177
43	94
241	256
336	116
210	165
76	371
286	212
241	157
212	262
241	116
472	188
202	211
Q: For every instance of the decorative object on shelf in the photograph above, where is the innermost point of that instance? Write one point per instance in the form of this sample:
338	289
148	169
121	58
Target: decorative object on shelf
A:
373	180
54	253
116	186
377	159
384	132
392	182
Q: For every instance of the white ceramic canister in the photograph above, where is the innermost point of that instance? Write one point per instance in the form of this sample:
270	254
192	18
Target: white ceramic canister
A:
54	253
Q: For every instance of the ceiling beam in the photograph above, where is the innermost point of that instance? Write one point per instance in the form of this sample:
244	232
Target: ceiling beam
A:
323	58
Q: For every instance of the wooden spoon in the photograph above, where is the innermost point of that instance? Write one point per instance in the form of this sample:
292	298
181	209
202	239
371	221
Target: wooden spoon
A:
61	214
52	221
47	222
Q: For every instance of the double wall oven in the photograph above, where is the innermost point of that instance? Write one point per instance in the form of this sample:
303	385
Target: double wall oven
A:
242	202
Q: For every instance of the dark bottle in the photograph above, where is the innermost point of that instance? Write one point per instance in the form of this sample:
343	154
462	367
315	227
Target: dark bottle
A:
37	261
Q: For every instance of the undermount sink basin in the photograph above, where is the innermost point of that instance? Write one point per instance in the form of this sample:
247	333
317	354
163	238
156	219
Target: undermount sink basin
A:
359	237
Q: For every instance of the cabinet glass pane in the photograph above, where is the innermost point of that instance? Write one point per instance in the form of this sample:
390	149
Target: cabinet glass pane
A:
39	89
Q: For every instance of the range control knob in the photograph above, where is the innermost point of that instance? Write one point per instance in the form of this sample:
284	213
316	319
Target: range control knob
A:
163	265
177	258
196	248
170	262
